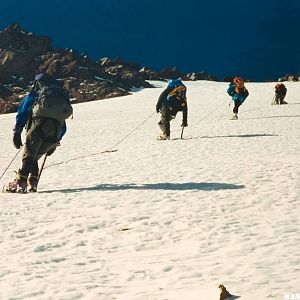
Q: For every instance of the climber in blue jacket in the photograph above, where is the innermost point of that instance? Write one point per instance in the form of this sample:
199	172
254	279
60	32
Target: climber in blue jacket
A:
239	93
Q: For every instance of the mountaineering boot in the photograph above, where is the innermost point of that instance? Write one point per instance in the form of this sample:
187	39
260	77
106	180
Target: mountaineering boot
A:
163	137
234	117
32	184
19	185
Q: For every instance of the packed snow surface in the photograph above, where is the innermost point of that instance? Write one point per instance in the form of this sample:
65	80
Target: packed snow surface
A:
160	220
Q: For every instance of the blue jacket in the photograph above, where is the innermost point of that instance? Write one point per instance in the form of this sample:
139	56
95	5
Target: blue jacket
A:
237	96
24	113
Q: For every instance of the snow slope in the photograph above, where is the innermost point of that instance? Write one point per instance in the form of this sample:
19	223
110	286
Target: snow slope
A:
160	219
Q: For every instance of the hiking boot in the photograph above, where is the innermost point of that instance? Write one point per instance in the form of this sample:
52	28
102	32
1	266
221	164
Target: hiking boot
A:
19	185
32	184
163	137
234	117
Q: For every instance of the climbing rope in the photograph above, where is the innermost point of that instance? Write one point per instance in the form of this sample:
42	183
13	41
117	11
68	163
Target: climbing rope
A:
109	150
10	163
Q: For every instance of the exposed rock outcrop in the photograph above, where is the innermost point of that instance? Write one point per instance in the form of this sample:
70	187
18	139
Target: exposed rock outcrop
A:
23	54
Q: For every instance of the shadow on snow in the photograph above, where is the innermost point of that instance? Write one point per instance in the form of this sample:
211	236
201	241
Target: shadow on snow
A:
239	136
228	136
204	186
273	117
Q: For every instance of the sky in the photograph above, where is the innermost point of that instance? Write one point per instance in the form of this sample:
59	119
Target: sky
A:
159	219
258	39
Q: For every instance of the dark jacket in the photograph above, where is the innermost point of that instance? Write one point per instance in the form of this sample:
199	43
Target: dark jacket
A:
174	102
281	90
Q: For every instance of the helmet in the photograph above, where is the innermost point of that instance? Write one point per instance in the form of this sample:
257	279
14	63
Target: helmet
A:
174	82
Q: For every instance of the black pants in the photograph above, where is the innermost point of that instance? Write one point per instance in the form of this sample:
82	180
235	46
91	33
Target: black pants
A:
237	104
40	138
279	99
166	117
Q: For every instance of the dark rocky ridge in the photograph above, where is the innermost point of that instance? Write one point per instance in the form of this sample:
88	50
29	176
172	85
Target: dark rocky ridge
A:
23	54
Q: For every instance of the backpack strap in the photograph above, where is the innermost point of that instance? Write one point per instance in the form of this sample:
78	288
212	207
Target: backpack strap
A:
178	92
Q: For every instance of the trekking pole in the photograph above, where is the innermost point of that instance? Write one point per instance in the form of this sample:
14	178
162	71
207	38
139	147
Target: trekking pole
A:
273	100
10	163
42	167
182	132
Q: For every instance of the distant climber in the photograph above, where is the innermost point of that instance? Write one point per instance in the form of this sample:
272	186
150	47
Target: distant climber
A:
239	93
280	93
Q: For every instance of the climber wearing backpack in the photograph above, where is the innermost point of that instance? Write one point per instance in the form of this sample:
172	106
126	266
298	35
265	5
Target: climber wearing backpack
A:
239	93
170	102
43	112
280	92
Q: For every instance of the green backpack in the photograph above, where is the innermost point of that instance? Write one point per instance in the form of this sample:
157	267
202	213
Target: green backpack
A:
53	100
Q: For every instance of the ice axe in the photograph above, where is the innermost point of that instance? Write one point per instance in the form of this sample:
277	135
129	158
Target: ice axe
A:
182	132
42	168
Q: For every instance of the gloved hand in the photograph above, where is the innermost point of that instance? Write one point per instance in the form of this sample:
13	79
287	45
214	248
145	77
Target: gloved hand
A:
52	150
157	108
17	138
184	124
